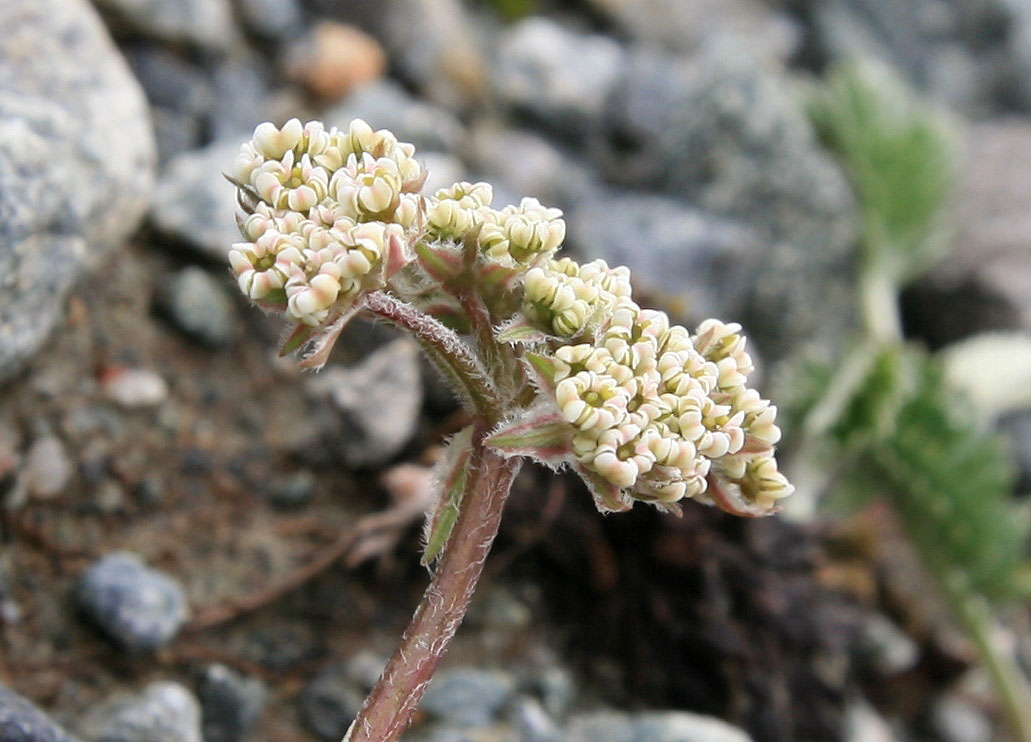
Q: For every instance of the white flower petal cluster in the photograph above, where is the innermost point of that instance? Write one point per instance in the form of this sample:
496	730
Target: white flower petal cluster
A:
329	205
564	298
453	212
519	235
655	409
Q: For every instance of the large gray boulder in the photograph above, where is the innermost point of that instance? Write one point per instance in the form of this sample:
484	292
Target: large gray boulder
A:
76	162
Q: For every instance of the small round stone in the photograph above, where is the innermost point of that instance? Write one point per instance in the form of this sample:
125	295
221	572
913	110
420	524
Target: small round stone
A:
140	608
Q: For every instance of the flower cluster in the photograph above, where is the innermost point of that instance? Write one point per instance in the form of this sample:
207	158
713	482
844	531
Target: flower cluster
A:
327	206
655	411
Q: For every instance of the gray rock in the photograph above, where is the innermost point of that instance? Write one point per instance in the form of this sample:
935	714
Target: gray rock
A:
435	47
385	105
204	23
864	724
884	647
468	696
292	491
683	25
76	162
529	165
1016	428
725	132
48	468
194	205
377	403
240	95
271	19
442	170
701	263
985	282
532	722
21	721
940	46
332	699
175	133
230	703
169	81
556	689
956	719
559	77
668	726
199	306
140	608
163	712
135	387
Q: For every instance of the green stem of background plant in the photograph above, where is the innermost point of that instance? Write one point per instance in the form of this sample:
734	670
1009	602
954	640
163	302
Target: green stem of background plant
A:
880	313
1013	690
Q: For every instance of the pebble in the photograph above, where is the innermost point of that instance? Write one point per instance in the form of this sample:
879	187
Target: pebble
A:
135	387
292	491
442	170
21	721
668	726
204	23
240	96
140	608
48	469
271	19
468	696
230	704
193	204
864	724
557	690
431	44
377	403
884	647
958	720
334	59
163	712
532	722
199	306
384	104
559	77
331	700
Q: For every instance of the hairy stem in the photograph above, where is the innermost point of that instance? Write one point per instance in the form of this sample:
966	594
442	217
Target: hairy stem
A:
388	710
446	347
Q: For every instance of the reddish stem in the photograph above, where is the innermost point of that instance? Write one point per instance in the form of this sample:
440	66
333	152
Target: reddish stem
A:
388	710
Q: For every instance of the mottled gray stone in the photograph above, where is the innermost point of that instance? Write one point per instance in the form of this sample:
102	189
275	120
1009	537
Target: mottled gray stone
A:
21	721
140	608
468	696
559	77
532	722
385	105
292	491
683	25
884	647
163	712
199	306
204	23
529	165
726	133
76	162
657	726
330	701
48	468
953	51
698	262
377	403
230	704
434	47
194	205
271	19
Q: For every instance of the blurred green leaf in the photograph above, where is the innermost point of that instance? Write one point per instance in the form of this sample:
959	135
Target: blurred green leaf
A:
898	154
